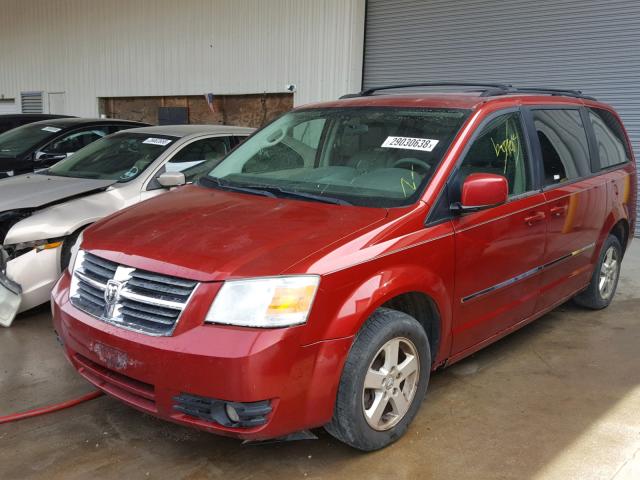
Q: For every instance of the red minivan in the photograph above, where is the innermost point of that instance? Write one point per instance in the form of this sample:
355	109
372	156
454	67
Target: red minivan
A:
322	271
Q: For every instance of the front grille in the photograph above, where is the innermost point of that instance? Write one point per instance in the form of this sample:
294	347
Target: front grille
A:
167	288
99	269
135	299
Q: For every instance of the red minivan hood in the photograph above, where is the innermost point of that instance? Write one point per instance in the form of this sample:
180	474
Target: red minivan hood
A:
209	234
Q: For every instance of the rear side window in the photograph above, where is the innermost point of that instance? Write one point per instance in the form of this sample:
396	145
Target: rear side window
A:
563	143
612	145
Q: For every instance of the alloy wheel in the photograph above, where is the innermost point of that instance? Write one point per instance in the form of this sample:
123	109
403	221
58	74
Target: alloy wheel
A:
391	383
609	273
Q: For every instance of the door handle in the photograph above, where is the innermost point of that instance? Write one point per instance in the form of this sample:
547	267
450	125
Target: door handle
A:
535	218
558	211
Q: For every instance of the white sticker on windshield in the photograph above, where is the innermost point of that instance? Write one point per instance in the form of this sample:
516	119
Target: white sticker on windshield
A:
408	143
51	129
163	142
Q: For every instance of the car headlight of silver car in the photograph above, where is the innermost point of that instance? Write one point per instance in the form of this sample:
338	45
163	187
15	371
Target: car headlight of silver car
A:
37	244
265	302
18	249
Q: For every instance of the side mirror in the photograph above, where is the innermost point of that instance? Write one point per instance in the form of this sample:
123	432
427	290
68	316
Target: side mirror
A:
172	179
481	191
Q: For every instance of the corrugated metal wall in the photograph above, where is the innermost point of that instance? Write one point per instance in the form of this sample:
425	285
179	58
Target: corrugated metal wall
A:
121	48
588	45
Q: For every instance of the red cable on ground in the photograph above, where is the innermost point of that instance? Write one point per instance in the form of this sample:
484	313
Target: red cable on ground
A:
50	409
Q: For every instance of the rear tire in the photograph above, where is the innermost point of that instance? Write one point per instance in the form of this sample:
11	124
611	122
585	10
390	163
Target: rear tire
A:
604	280
383	383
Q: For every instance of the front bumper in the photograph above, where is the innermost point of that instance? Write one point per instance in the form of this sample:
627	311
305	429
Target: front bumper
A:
208	361
35	272
10	298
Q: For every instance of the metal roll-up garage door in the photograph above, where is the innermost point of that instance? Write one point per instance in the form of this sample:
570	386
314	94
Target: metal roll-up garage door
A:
589	45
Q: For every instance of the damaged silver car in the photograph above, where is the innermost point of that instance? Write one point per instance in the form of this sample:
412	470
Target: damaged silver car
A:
42	215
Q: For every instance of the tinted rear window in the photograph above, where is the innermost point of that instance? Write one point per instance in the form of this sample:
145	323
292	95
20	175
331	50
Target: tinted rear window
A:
563	143
612	144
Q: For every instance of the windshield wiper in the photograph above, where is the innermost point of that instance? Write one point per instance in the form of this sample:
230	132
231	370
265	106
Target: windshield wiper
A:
273	191
305	195
249	189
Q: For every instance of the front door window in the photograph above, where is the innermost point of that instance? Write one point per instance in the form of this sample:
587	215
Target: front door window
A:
500	149
199	157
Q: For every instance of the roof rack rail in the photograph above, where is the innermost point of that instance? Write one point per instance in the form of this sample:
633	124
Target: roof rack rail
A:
548	91
485	89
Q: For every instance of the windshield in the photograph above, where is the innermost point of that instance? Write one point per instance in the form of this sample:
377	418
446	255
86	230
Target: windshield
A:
121	157
19	140
380	157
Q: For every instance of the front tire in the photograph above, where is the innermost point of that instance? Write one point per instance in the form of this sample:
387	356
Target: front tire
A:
604	280
383	383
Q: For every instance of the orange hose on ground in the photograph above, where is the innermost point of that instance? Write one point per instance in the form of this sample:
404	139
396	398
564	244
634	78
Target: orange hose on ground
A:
50	409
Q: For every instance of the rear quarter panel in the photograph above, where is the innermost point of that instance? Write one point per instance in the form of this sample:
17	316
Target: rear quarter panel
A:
622	186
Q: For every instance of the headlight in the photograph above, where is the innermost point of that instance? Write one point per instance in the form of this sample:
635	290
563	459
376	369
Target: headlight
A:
38	245
16	250
265	302
74	254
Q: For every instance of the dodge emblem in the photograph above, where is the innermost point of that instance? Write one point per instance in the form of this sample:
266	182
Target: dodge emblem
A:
111	297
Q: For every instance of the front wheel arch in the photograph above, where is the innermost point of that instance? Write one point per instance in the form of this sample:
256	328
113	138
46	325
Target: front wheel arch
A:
411	289
67	245
424	309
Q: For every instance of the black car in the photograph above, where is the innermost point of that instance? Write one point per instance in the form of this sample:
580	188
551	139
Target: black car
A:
14	120
42	144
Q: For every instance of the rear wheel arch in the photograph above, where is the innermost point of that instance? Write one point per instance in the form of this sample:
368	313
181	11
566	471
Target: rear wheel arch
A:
616	225
604	280
621	231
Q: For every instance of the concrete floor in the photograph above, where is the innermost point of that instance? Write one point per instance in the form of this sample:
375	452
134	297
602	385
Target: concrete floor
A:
560	399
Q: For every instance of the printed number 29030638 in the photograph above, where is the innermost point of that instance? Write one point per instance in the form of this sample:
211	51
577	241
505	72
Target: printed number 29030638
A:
409	143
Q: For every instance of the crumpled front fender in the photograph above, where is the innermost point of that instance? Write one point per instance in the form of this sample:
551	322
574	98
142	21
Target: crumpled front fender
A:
64	219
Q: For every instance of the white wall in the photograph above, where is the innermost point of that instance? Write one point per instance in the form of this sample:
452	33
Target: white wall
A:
116	48
9	107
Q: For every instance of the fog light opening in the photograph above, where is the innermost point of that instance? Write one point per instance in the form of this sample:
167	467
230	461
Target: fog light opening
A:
232	413
226	413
